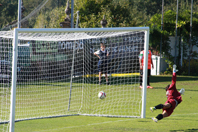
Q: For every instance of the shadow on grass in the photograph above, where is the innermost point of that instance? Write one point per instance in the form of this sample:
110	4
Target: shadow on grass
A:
160	87
192	90
113	80
132	80
186	130
143	121
180	80
169	78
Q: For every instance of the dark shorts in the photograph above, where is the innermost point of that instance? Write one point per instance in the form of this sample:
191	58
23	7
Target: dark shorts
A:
173	105
148	72
102	67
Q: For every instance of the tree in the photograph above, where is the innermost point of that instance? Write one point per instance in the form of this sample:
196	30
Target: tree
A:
92	11
8	12
117	14
183	29
155	38
50	19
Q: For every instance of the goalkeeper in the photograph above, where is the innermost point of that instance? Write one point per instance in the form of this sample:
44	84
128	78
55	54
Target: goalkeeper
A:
173	99
102	54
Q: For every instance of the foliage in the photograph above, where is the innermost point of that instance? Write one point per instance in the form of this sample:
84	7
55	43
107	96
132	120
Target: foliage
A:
184	69
51	19
183	26
169	69
118	12
92	12
155	38
8	12
193	67
117	15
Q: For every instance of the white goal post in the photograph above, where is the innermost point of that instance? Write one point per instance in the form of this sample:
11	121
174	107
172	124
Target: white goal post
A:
54	73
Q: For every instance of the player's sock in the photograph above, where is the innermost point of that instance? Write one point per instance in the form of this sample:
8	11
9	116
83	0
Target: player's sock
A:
148	81
140	80
159	106
99	82
159	117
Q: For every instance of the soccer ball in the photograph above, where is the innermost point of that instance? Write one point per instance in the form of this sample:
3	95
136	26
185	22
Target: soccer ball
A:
101	95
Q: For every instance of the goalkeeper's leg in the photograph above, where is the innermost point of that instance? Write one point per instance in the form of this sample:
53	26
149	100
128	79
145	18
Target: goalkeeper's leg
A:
160	116
161	106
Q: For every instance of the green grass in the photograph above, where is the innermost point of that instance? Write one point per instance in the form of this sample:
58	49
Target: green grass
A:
184	118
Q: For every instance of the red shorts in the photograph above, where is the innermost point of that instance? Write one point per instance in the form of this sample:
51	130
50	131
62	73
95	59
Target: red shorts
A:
173	105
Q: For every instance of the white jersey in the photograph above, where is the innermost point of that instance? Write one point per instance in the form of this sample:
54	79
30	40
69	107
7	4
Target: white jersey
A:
98	52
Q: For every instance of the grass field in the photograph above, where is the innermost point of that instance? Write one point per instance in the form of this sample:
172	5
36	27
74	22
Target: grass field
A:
184	118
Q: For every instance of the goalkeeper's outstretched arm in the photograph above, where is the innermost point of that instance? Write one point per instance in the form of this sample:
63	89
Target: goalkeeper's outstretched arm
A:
181	91
174	68
172	86
174	75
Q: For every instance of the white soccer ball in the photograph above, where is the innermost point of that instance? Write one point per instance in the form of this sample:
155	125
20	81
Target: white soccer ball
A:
101	95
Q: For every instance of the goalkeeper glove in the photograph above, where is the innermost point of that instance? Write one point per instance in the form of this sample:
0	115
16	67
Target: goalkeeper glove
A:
174	69
182	91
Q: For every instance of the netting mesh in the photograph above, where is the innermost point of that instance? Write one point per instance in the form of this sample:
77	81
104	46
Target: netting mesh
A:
5	77
57	74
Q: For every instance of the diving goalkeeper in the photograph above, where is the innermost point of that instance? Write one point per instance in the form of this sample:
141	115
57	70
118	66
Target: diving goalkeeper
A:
173	99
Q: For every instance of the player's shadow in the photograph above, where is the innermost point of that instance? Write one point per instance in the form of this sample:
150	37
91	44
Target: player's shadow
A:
186	130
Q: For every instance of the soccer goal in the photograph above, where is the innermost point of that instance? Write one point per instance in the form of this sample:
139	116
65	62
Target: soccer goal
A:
54	72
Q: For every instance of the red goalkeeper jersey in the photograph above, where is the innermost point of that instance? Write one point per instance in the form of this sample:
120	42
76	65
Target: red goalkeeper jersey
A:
172	92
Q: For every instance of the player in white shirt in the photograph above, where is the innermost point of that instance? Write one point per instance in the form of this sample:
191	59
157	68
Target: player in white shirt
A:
102	54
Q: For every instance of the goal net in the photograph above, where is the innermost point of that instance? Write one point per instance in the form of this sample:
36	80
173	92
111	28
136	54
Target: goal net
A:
54	72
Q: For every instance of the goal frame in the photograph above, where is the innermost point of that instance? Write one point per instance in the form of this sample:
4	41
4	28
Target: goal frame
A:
65	30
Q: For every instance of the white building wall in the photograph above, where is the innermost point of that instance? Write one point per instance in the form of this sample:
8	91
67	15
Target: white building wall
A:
164	65
172	45
156	62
